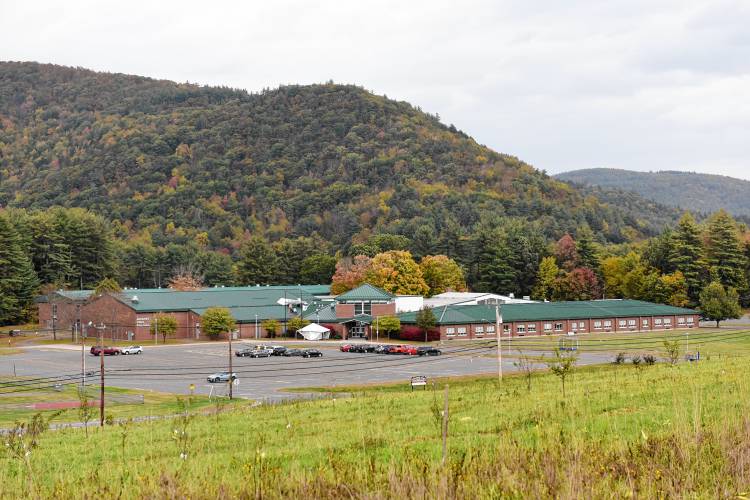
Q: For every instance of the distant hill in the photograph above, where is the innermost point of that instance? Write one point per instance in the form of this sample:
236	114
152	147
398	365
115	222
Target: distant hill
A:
702	193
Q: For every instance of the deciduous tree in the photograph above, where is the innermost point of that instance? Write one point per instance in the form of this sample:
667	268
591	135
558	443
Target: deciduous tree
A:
396	272
718	304
217	320
442	274
164	325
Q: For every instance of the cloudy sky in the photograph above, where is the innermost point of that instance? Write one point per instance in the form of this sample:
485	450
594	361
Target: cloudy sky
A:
636	84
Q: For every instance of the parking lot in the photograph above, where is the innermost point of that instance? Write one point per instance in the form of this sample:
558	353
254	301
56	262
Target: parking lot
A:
174	368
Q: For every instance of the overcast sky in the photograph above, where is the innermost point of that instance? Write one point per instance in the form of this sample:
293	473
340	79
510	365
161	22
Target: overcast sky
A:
643	85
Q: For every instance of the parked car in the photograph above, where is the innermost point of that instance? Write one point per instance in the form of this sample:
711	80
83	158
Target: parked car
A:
278	350
398	349
357	348
370	347
345	348
312	353
133	349
428	351
411	350
243	352
382	349
221	377
293	352
107	351
261	353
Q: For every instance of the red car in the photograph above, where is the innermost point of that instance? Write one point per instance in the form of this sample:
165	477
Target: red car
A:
345	347
107	351
411	350
399	349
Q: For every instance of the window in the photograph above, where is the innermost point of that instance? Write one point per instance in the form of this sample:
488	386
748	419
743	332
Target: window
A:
490	328
668	321
621	322
520	329
558	327
681	321
597	325
691	320
607	323
531	327
631	322
582	324
362	308
644	322
479	329
450	331
506	328
574	326
657	321
462	330
548	327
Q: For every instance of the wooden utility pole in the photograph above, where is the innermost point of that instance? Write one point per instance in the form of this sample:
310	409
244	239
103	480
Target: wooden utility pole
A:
101	374
231	382
498	334
445	425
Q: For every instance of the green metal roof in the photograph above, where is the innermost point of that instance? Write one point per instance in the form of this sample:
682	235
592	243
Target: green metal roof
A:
247	314
321	312
171	300
365	292
540	311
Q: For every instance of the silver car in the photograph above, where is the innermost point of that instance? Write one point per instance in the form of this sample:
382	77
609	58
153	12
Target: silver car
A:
133	349
221	377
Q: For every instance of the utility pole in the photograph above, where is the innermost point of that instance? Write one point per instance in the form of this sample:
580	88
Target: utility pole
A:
231	382
256	327
156	330
498	323
83	356
101	373
445	425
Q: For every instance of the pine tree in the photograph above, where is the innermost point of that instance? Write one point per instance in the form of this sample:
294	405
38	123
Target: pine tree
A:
724	251
18	281
687	255
587	252
258	263
491	269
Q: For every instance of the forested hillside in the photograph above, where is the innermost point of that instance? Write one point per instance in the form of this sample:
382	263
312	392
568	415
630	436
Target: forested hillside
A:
152	179
703	193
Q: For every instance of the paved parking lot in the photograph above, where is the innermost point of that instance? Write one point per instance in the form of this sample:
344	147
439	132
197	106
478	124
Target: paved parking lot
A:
173	368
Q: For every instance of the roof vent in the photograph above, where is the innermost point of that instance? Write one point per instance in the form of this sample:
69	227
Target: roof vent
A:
512	295
134	299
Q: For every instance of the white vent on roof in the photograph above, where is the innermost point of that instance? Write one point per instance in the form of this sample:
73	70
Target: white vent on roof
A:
134	299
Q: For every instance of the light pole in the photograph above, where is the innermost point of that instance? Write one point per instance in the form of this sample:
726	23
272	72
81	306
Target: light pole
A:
256	327
83	355
101	328
498	322
231	382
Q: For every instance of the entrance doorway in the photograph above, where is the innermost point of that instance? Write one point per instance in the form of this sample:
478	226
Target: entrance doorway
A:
357	331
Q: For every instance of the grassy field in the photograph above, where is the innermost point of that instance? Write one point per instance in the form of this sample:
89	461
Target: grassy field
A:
648	431
120	403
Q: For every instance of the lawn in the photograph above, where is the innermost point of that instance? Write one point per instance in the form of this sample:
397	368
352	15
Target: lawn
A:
649	431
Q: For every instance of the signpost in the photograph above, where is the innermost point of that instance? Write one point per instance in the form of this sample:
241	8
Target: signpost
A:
419	380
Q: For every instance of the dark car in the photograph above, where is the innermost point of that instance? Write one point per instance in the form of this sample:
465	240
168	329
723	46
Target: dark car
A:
428	351
357	348
293	352
382	349
243	352
107	351
278	350
312	353
261	353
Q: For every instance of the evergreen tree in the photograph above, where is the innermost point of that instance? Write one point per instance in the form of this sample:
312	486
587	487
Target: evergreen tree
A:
491	270
687	255
724	251
318	268
545	279
258	263
587	253
18	281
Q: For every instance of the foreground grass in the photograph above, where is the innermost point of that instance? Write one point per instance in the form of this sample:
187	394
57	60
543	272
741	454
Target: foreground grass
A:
654	431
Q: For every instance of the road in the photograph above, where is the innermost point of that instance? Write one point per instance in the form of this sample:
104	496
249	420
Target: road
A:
173	368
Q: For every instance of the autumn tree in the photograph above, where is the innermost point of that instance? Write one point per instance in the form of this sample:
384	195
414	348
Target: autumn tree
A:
187	279
107	285
396	272
271	327
295	324
164	325
387	324
546	279
442	274
566	253
579	284
350	273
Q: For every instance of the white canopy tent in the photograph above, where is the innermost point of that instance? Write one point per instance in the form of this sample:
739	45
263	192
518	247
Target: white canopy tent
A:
314	331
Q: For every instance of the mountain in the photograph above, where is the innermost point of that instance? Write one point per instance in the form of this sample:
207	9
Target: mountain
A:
703	193
177	162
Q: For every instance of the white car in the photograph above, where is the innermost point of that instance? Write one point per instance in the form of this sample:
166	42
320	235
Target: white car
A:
133	349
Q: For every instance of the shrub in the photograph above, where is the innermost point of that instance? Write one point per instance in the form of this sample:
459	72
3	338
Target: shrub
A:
620	358
636	360
649	359
415	333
